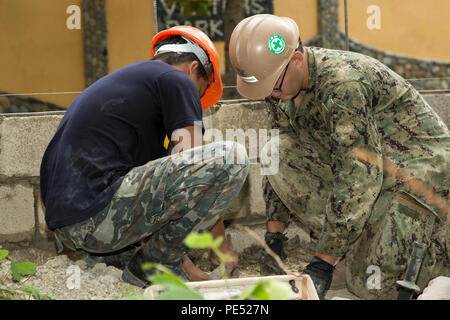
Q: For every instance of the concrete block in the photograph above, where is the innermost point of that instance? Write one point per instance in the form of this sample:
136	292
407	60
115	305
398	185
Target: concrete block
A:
207	119
23	142
257	203
43	229
250	117
241	115
441	104
17	212
249	205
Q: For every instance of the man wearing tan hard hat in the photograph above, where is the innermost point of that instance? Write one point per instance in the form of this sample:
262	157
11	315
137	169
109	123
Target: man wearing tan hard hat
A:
364	160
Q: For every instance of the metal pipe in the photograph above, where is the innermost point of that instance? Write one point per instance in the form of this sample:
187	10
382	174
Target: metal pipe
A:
155	16
347	42
434	91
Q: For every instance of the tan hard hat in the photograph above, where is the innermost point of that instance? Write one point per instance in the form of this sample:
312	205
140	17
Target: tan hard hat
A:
260	48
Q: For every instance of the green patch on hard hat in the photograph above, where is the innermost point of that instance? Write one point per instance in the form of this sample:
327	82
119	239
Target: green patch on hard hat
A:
276	44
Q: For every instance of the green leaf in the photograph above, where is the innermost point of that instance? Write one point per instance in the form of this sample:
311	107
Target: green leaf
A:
34	292
26	268
277	290
202	8
217	242
179	293
22	268
193	7
199	240
174	287
224	257
259	292
163	275
6	294
3	254
15	271
267	290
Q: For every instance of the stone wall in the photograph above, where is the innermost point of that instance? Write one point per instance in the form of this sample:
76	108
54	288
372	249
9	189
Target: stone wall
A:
95	40
24	137
331	37
14	104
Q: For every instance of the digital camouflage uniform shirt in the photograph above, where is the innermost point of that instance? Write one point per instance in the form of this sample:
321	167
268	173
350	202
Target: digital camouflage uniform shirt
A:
357	208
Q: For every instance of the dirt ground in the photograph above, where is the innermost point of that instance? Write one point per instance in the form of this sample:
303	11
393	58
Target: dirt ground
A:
54	272
298	258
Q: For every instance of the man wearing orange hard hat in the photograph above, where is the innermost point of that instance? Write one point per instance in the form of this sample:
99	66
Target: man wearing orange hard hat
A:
107	182
363	160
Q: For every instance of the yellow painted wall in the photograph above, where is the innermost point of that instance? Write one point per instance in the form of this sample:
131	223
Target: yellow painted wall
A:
303	12
414	28
130	31
220	46
37	51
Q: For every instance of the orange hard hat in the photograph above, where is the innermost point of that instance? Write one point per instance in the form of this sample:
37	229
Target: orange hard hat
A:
214	91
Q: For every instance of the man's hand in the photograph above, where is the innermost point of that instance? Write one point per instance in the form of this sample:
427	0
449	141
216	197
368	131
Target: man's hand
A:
321	273
268	265
194	273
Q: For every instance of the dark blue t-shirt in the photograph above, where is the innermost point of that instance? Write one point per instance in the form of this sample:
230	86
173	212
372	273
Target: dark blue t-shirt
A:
116	124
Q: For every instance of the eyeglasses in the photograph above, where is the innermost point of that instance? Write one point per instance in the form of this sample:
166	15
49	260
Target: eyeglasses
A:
278	89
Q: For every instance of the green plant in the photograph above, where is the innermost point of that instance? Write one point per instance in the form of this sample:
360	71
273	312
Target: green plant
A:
175	288
17	270
130	294
3	254
22	268
266	290
193	7
205	241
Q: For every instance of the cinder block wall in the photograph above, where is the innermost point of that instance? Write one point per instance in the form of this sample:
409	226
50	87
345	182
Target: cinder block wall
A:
24	137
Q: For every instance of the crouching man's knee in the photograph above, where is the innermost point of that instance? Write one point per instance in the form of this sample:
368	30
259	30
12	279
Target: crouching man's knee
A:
229	155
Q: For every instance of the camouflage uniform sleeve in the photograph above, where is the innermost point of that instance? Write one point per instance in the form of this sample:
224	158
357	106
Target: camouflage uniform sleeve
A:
355	185
277	111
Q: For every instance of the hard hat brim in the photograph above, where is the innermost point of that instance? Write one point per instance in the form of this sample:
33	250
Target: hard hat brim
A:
258	90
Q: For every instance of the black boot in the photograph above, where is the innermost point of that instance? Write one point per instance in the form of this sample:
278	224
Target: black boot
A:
118	259
133	272
268	265
137	276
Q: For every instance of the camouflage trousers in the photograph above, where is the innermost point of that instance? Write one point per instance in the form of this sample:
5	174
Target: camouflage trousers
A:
381	254
163	201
